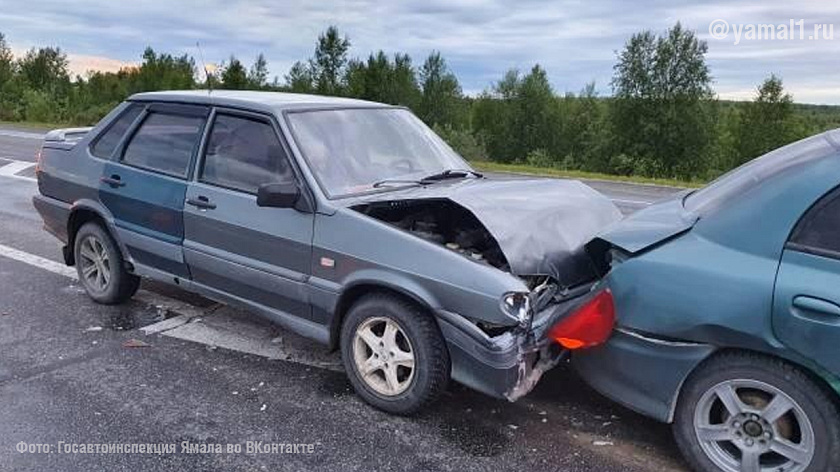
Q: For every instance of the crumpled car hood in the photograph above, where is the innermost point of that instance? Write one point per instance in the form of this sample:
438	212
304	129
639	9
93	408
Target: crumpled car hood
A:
541	225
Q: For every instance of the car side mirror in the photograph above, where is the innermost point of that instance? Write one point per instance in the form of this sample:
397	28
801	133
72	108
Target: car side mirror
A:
278	195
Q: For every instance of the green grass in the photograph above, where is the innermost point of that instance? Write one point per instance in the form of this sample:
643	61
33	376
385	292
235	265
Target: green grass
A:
525	169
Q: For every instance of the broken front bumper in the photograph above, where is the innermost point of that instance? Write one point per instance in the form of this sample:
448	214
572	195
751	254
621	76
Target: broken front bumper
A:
508	365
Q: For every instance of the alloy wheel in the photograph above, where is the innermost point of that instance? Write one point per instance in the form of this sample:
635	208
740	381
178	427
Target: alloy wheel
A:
94	264
751	426
383	356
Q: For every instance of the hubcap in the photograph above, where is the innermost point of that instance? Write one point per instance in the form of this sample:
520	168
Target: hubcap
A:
751	426
94	264
383	356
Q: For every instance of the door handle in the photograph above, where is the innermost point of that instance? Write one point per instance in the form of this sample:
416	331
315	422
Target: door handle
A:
202	203
114	180
815	305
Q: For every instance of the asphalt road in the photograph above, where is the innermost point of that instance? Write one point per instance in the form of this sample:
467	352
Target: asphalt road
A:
19	143
215	375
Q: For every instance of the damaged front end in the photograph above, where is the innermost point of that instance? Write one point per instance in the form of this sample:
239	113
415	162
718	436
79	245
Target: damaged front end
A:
534	230
508	363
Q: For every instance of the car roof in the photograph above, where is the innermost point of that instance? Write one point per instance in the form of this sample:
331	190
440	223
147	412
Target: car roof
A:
250	99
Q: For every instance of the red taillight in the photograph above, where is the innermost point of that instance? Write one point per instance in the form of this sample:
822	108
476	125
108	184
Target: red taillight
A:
589	325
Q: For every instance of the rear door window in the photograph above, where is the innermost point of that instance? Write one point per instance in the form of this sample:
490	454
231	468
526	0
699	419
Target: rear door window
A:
164	143
818	231
244	153
106	142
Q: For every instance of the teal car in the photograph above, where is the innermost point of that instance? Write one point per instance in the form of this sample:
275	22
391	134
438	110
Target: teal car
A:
727	308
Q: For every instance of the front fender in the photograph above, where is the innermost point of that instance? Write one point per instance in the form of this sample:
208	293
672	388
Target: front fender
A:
393	281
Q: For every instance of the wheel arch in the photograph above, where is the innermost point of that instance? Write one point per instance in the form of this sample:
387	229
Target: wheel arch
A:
83	212
357	290
811	371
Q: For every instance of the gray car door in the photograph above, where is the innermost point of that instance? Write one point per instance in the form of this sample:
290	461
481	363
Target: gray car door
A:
145	183
257	254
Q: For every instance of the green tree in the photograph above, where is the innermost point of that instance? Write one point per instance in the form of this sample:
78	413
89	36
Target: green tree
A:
519	115
329	62
403	89
377	75
463	142
234	75
44	69
382	80
768	122
440	104
258	75
7	61
536	120
661	114
10	87
299	79
163	72
355	79
494	115
584	137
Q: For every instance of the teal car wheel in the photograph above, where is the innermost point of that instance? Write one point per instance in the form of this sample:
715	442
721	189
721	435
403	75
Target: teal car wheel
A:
749	413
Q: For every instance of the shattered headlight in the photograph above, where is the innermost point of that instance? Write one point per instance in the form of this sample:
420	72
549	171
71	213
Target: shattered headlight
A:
518	305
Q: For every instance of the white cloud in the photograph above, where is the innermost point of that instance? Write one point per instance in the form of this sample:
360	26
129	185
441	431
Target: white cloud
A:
575	40
80	64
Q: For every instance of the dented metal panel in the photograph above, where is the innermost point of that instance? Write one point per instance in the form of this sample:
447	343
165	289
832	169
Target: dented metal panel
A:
541	225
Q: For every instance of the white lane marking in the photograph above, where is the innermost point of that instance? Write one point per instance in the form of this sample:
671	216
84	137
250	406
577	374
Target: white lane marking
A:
159	301
21	134
38	261
224	328
631	202
231	332
12	168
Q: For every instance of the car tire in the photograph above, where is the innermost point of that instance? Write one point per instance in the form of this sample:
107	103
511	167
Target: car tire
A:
380	328
101	267
753	386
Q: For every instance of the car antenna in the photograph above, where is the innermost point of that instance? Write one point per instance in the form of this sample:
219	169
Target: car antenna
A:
206	72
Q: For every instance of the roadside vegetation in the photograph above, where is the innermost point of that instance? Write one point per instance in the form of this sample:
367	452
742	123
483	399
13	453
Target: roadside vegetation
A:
663	122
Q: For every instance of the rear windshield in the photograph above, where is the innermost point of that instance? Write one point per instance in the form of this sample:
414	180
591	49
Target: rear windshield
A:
739	181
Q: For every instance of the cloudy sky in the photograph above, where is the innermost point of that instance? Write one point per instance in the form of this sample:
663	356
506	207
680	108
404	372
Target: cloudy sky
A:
576	41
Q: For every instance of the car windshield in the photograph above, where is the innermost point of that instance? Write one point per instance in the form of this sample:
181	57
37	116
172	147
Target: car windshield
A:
353	151
739	181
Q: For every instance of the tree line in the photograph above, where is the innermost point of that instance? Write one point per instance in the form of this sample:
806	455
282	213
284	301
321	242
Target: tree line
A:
663	118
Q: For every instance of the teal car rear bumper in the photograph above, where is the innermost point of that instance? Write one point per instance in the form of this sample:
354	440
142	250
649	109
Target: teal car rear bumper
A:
640	372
